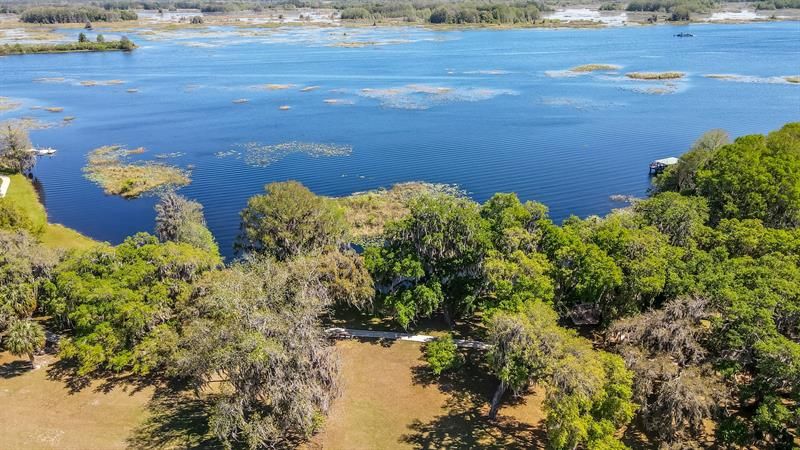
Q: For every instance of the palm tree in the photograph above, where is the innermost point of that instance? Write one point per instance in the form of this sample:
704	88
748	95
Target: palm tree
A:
25	337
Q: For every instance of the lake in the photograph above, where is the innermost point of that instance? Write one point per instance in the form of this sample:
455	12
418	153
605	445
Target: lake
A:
486	110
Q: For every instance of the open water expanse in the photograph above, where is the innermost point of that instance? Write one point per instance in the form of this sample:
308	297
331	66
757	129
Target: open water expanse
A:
486	110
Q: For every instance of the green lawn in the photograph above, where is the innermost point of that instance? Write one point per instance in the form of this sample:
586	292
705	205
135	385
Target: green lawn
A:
24	196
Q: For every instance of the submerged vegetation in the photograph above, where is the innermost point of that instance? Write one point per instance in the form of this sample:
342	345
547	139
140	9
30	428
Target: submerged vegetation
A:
109	167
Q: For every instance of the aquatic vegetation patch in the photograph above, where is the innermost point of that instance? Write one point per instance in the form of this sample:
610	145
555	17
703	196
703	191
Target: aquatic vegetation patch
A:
581	70
90	83
110	168
262	155
595	68
7	104
369	212
420	96
273	87
54	109
655	75
50	80
581	104
736	78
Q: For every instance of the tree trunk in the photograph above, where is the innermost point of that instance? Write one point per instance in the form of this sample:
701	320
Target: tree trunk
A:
498	395
30	356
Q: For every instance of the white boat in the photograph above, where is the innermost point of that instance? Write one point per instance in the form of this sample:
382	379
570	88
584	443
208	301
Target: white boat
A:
47	151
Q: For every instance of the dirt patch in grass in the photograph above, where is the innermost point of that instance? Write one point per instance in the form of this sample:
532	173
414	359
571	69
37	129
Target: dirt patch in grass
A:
390	400
369	212
655	75
109	167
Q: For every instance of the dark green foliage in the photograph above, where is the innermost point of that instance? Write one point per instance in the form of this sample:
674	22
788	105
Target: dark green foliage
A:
756	177
670	5
431	258
588	392
356	14
442	355
778	4
74	14
123	303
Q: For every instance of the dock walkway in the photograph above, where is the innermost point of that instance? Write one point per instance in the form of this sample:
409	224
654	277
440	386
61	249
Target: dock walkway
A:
344	333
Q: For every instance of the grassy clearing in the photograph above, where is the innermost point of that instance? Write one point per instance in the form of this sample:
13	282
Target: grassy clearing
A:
24	196
369	212
595	68
390	400
655	75
108	168
41	411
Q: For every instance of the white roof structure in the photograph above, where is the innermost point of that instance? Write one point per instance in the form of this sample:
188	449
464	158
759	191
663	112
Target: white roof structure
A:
667	161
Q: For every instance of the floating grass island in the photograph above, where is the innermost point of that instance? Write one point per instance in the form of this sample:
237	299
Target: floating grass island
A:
655	75
595	68
25	49
108	167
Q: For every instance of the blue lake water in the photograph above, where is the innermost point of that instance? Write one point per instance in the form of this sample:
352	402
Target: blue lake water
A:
487	110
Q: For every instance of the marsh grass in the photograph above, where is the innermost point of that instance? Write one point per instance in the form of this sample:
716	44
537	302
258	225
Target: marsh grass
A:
369	212
108	167
655	75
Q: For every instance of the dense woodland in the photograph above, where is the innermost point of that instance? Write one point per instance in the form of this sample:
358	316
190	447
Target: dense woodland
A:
679	315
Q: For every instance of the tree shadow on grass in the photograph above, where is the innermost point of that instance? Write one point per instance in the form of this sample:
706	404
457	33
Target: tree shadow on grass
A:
466	425
66	372
177	419
15	368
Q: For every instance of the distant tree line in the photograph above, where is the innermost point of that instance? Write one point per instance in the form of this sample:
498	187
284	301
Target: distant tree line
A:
438	12
74	14
778	4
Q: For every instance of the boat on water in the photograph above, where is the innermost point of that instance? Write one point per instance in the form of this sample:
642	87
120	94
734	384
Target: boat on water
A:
46	151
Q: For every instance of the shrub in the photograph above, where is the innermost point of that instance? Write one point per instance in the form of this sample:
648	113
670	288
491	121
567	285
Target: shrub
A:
442	354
